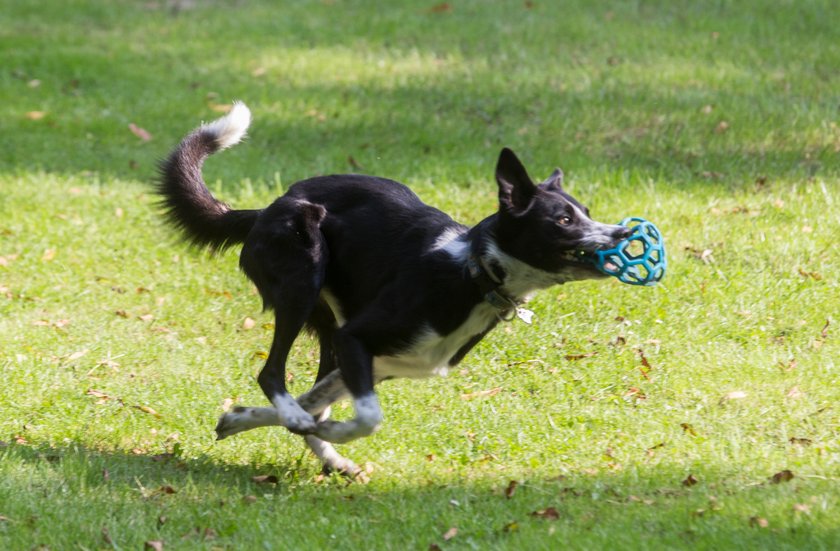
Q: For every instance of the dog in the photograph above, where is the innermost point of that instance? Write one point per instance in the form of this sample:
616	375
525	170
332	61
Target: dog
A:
390	286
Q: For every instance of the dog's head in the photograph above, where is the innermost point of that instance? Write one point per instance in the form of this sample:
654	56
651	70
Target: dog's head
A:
545	227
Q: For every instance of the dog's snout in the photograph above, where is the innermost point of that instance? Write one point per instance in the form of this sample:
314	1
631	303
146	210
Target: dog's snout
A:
622	232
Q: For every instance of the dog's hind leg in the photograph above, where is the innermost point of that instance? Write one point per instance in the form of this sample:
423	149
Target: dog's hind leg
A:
356	370
286	411
285	257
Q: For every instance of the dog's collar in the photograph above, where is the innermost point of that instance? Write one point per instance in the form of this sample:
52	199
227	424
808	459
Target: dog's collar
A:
489	285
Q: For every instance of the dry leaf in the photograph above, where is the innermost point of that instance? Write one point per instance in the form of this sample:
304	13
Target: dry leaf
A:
801	508
782	476
147	409
549	513
265	479
443	7
688	428
35	115
689	481
722	127
153	545
734	395
575	357
247	500
48	255
451	533
800	441
76	355
248	324
511	489
146	317
481	393
141	133
227	404
758	522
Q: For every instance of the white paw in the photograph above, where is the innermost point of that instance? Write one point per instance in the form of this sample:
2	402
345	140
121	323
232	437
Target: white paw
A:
245	418
292	416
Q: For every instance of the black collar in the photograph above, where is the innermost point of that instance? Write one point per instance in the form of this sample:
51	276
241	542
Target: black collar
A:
489	282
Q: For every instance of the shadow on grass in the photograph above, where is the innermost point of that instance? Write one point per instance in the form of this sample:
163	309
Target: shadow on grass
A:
564	104
87	493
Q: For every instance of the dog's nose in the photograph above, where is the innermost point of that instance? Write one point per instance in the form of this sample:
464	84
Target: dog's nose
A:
622	232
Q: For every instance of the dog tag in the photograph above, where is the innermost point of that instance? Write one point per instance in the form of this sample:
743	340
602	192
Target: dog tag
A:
525	315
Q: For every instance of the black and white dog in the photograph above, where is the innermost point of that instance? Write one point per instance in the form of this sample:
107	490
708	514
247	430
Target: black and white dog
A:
391	286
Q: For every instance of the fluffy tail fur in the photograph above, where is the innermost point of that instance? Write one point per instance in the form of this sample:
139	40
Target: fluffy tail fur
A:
190	206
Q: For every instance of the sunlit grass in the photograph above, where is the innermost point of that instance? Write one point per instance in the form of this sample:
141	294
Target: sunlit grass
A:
119	346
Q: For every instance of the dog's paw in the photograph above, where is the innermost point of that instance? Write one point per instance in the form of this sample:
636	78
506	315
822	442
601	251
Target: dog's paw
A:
292	416
300	424
226	427
241	418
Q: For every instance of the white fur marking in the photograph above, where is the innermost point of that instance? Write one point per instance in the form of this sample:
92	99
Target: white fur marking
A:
291	414
368	412
451	242
431	351
230	129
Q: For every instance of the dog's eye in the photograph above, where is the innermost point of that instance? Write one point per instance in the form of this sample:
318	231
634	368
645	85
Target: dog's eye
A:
564	221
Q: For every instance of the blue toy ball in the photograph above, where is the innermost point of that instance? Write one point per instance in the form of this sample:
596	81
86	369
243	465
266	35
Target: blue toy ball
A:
637	260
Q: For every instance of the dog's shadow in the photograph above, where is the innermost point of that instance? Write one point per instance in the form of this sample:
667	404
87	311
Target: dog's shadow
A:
150	473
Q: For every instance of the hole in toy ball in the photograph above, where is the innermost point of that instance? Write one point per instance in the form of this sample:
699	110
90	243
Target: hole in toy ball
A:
641	272
654	256
634	249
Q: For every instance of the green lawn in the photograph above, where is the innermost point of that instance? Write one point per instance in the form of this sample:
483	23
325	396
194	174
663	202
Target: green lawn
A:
701	414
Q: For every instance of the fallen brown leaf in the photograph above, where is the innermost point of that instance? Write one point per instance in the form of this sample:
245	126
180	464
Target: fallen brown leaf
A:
782	476
481	393
141	133
575	357
35	115
688	428
153	545
443	7
265	479
451	533
690	481
147	409
758	522
511	489
549	513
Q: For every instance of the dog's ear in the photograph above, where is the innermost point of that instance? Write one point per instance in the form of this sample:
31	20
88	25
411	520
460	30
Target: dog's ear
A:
516	190
554	182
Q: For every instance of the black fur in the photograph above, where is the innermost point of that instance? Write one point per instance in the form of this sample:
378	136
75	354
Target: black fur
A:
375	272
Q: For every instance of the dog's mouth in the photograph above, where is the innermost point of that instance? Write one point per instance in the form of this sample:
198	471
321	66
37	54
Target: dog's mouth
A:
585	259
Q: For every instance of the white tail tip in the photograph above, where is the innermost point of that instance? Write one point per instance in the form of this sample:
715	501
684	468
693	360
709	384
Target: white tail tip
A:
230	129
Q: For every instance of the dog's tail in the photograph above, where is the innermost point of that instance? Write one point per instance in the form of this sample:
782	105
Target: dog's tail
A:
204	220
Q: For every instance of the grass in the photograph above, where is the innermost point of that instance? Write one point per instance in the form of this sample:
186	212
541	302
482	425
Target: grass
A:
644	418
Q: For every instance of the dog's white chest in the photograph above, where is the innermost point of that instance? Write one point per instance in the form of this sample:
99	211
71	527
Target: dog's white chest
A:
431	351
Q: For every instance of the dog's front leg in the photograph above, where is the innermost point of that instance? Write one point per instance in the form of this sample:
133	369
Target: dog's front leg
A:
356	366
